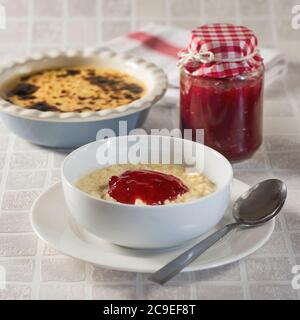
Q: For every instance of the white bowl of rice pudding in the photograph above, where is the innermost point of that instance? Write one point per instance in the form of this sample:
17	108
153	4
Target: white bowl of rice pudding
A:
124	198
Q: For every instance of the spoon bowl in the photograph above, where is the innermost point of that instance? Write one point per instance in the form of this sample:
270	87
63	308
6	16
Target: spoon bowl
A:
260	203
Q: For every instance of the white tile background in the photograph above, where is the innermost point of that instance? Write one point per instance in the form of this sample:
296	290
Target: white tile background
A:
41	24
36	271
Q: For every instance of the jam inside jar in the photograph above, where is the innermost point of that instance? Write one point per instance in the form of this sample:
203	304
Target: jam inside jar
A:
230	110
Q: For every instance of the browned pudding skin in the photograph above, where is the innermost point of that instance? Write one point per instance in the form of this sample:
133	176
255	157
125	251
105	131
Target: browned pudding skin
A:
75	89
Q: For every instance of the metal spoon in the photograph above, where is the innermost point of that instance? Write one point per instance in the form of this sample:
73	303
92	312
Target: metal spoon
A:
258	205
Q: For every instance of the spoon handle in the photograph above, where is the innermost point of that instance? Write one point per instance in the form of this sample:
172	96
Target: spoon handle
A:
175	266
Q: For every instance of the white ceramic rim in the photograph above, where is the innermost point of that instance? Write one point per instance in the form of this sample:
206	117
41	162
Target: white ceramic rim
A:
132	266
213	151
159	79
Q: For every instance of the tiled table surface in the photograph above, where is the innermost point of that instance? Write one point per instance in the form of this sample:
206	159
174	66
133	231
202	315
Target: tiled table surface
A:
36	271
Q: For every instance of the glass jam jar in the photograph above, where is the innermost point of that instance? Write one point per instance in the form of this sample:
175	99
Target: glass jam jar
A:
229	109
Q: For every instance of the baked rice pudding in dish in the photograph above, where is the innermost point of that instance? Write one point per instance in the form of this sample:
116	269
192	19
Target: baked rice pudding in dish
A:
146	184
106	87
75	89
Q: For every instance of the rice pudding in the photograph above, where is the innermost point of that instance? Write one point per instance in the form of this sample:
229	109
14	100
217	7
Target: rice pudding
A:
147	184
74	89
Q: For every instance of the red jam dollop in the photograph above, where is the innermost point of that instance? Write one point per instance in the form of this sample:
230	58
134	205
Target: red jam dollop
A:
230	110
151	187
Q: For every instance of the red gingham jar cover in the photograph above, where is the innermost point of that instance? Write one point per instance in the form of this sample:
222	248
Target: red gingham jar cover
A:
220	51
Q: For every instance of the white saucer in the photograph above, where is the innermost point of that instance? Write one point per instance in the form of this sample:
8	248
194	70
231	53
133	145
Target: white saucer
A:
51	221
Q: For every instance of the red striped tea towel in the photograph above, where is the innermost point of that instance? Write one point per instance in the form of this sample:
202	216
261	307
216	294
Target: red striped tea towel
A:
160	44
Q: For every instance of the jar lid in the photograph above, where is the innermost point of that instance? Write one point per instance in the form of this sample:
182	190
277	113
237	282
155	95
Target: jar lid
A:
220	50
